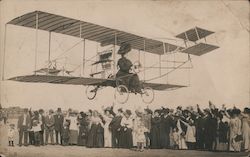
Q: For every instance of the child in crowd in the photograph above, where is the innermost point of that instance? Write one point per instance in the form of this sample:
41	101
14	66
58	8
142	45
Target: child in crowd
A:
11	134
140	131
65	134
176	138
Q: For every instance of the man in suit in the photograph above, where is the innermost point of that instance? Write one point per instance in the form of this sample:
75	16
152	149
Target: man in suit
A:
23	125
147	123
58	124
115	126
49	127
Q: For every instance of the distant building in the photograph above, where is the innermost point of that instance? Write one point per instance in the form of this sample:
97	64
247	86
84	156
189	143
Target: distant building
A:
14	112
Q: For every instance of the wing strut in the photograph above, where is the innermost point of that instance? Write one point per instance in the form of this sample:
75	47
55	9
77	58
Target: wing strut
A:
36	46
49	53
4	50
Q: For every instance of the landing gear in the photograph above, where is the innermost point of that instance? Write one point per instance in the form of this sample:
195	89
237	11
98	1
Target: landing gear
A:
147	95
91	92
121	94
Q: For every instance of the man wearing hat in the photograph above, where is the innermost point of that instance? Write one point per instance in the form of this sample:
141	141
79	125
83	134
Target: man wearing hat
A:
114	126
23	124
131	80
58	124
49	127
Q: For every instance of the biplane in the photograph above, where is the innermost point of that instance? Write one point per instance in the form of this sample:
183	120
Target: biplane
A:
192	39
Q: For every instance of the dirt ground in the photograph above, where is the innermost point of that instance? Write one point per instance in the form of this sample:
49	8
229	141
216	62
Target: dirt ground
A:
77	151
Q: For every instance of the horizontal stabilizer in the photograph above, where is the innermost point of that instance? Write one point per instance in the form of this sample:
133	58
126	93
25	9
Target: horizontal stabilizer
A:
199	49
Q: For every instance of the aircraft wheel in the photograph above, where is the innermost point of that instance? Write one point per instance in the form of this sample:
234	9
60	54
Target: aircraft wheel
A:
121	94
91	92
147	95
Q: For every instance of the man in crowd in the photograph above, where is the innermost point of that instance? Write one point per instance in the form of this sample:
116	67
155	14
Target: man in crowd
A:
23	125
58	125
49	127
147	123
114	126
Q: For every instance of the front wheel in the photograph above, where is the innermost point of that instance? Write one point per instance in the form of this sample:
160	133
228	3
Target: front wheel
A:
121	94
147	95
91	92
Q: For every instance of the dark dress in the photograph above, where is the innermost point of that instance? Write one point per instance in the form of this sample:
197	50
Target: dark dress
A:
155	133
223	132
200	125
95	136
165	126
130	80
83	132
65	135
100	136
210	132
126	140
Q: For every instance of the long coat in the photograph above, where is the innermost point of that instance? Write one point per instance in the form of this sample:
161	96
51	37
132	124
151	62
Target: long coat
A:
58	122
155	133
165	127
49	122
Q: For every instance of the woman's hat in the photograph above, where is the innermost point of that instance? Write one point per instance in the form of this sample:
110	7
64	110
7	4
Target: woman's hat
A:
128	112
148	111
83	114
59	110
138	112
120	110
125	48
235	111
247	110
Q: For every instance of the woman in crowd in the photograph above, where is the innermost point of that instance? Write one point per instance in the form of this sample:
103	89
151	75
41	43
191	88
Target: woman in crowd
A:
155	130
235	131
73	128
222	132
190	134
95	136
246	129
107	117
36	125
83	129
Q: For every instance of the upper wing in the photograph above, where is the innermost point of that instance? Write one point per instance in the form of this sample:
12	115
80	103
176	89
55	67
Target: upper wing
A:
104	35
159	86
64	80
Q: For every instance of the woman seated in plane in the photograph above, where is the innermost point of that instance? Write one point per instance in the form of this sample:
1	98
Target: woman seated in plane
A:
130	80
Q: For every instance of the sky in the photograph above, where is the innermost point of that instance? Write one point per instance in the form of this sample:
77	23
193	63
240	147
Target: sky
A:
221	76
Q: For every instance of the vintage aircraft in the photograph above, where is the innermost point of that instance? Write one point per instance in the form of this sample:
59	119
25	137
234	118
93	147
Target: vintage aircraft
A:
107	59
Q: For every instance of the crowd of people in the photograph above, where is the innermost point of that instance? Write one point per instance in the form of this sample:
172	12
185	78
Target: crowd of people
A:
193	128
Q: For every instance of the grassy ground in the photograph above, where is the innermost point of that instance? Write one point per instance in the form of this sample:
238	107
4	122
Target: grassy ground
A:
77	151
